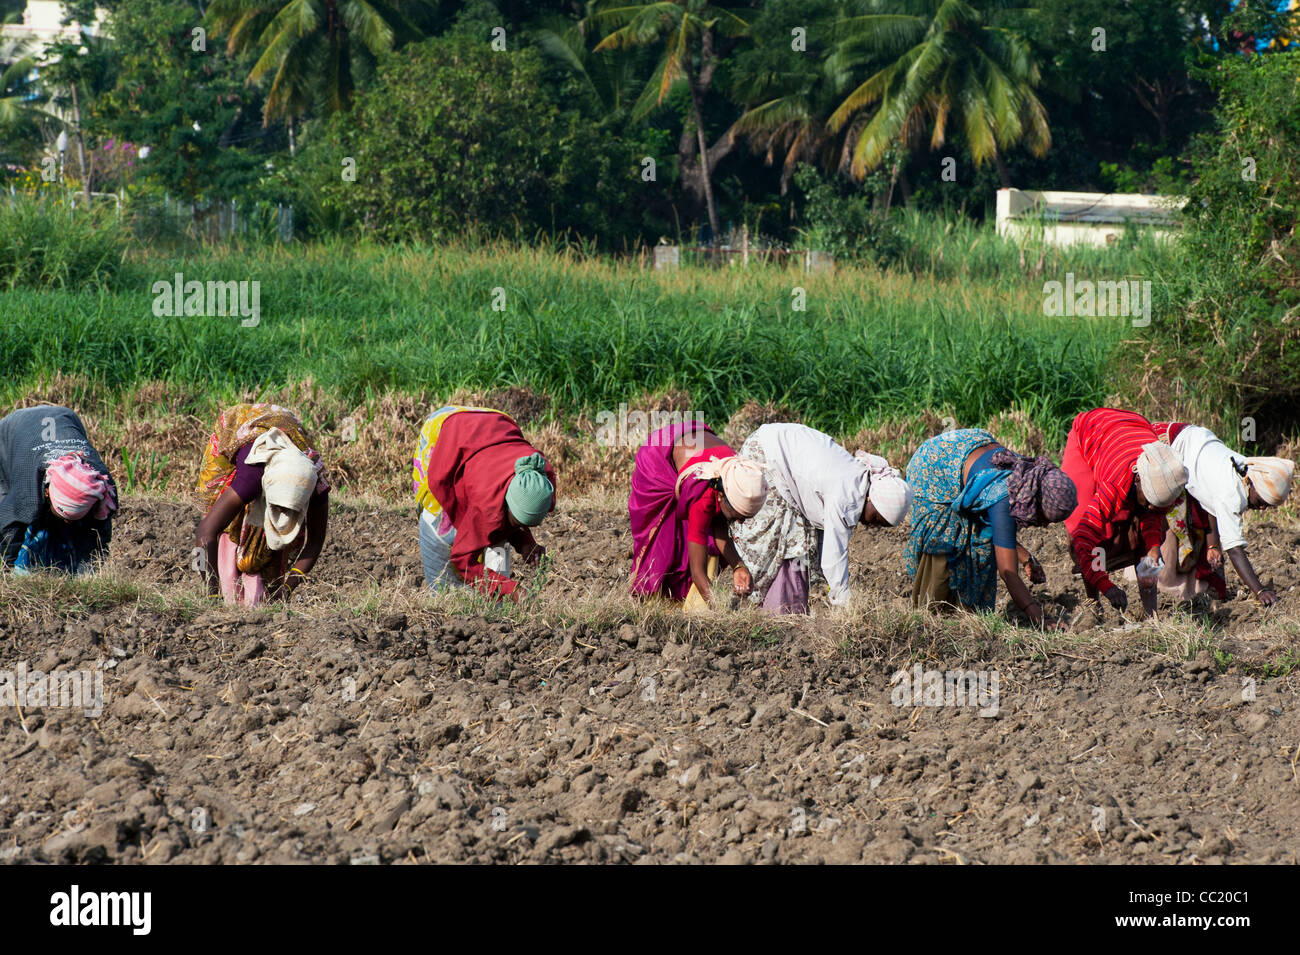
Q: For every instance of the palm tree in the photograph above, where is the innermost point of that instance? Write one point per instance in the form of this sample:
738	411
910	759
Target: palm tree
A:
949	61
19	95
788	99
687	31
315	51
612	78
790	127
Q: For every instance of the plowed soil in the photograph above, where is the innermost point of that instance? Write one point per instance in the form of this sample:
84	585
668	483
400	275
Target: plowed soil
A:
368	724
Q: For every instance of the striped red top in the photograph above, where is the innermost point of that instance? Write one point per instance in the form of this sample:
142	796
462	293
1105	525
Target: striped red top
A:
1110	441
1170	428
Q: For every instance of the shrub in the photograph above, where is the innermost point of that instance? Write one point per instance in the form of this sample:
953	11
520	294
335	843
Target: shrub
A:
841	218
1221	348
46	243
456	137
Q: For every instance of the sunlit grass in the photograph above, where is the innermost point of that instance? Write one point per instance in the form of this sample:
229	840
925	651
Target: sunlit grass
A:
867	345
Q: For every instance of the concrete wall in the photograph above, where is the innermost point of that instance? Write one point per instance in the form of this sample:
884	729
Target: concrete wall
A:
1089	218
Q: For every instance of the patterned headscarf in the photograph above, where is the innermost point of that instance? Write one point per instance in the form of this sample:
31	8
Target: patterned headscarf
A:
76	488
1035	481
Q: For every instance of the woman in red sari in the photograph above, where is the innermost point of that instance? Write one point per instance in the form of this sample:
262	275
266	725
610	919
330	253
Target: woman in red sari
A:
480	485
1126	481
687	484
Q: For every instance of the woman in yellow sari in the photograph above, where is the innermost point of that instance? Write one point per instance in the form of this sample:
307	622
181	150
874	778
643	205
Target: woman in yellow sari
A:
267	503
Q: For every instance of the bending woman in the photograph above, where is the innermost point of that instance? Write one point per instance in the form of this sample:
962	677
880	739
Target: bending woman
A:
56	495
818	486
971	495
1206	522
479	485
1127	481
686	485
267	504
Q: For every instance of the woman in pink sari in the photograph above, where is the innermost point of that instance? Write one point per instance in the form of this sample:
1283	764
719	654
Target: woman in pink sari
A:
686	485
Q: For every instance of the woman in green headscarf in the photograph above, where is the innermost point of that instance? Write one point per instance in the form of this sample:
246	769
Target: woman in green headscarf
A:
480	485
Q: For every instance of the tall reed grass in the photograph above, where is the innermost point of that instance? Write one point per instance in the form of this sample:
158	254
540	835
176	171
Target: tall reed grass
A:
50	243
867	345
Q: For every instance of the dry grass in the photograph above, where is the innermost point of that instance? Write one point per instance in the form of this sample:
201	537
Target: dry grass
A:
152	435
884	635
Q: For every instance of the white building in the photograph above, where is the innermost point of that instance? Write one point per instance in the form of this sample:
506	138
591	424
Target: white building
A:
42	24
1089	218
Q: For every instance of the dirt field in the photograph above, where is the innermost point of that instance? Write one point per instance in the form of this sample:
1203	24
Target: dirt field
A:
371	723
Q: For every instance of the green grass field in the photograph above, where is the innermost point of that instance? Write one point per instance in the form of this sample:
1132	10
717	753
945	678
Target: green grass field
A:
968	339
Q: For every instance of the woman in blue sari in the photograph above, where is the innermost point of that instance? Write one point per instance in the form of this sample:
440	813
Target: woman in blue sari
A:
970	496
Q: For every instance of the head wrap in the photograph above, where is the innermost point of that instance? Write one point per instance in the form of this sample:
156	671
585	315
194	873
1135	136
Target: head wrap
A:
530	492
887	491
76	488
1036	482
288	482
1162	474
1271	478
742	481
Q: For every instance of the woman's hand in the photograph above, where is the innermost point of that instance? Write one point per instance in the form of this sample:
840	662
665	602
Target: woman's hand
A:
1118	599
1214	557
1267	597
742	581
1035	614
533	555
1034	572
293	578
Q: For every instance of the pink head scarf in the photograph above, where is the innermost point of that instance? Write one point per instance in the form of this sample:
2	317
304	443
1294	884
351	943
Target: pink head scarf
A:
76	488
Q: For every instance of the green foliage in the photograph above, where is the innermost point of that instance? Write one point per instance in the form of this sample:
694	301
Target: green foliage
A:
1125	65
457	137
677	28
840	218
188	106
1228	346
47	244
946	63
691	36
20	97
955	247
609	81
788	94
476	20
315	54
1164	177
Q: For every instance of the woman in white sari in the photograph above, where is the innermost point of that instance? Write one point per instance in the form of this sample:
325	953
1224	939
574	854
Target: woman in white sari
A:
1206	523
819	487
